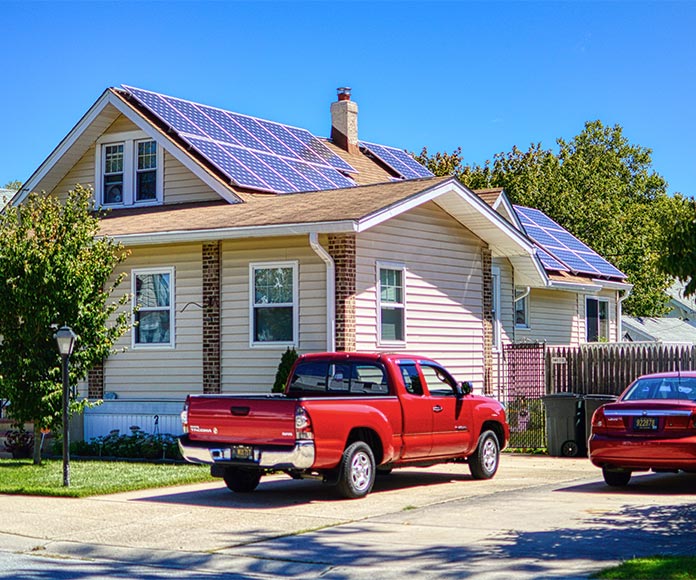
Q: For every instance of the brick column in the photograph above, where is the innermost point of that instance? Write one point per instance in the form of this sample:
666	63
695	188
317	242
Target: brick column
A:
342	250
211	318
95	382
486	263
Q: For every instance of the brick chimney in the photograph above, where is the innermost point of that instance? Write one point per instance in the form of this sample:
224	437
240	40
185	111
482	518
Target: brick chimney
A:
344	121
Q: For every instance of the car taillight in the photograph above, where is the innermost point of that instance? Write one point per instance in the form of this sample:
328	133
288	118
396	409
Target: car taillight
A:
184	417
602	423
303	424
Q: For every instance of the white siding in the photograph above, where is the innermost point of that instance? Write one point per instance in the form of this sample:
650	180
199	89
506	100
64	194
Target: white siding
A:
182	186
163	373
507	319
444	288
82	173
252	369
553	317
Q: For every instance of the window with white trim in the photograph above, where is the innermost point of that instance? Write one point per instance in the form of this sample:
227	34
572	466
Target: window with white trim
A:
128	170
391	298
596	320
153	316
521	308
274	304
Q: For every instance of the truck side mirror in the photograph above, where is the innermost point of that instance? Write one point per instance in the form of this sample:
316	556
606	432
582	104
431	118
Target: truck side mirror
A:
464	389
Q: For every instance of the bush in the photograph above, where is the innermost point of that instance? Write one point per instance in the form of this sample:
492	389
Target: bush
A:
19	442
286	361
137	445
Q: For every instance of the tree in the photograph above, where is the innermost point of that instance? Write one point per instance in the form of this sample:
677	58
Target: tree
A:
599	187
680	258
54	270
14	185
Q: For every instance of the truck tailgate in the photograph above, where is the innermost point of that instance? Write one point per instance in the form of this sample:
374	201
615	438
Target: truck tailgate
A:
248	420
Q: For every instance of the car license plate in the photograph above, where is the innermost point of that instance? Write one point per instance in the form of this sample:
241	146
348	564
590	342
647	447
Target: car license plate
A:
645	423
241	452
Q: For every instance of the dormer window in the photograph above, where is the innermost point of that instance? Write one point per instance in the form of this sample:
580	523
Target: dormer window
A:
128	170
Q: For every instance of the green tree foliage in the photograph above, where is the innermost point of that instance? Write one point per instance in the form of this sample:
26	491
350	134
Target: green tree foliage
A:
15	185
54	270
286	361
599	187
680	258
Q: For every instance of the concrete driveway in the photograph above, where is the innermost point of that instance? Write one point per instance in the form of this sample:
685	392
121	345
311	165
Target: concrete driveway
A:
539	517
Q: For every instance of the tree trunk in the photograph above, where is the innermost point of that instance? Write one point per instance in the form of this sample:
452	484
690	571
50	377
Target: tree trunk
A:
37	443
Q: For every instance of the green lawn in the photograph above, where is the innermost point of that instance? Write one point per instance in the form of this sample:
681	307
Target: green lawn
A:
654	568
20	476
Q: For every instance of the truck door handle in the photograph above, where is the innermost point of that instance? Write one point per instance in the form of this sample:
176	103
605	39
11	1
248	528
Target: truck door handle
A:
437	408
239	411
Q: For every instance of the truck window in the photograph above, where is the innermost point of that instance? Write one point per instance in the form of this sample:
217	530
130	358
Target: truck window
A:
412	382
309	378
369	379
339	379
440	383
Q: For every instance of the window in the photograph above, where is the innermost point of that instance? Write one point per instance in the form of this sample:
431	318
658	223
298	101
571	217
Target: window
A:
274	311
495	307
128	169
153	319
392	305
344	378
597	320
440	383
521	308
412	381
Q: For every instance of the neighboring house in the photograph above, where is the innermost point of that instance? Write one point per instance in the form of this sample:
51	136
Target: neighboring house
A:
248	237
5	196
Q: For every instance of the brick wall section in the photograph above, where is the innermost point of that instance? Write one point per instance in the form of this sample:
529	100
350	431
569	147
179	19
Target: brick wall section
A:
95	382
487	321
211	318
342	250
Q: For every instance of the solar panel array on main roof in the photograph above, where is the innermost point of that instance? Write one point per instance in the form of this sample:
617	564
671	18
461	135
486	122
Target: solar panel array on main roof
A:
400	161
252	152
560	248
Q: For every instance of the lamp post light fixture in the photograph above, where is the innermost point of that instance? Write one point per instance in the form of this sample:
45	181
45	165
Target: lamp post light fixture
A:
65	337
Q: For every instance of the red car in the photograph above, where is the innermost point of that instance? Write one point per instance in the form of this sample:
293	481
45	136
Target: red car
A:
651	427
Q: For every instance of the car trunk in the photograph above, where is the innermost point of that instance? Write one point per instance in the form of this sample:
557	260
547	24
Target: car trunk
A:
651	418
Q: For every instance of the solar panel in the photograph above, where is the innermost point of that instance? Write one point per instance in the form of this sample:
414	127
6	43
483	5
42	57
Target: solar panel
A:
397	159
252	152
561	247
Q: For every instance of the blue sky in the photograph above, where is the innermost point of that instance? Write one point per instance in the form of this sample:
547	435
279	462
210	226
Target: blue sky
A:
481	75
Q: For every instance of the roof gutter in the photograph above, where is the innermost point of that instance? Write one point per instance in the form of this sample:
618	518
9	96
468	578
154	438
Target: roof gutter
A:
330	290
574	287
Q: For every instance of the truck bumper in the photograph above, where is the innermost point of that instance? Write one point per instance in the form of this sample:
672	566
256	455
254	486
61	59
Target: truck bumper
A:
301	456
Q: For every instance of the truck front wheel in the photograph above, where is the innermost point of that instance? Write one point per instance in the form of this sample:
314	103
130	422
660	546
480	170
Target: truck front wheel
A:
241	480
484	462
357	474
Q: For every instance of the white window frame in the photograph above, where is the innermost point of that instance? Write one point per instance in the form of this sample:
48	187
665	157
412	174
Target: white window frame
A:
294	264
525	300
495	305
172	307
129	140
403	305
600	338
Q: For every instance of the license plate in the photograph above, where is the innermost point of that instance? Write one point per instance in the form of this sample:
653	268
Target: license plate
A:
645	423
241	452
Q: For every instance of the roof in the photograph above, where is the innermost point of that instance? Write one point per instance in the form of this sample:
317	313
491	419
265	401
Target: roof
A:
669	330
5	196
490	196
687	305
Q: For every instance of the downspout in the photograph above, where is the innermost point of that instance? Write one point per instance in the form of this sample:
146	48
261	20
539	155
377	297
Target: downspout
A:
330	290
619	302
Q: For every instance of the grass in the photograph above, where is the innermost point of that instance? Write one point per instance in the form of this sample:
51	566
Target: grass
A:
20	476
653	568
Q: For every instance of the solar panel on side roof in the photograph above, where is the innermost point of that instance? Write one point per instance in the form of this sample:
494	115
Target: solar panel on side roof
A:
298	149
386	156
336	177
604	267
271	143
159	105
203	122
299	182
241	135
549	262
228	164
409	161
321	150
250	160
576	262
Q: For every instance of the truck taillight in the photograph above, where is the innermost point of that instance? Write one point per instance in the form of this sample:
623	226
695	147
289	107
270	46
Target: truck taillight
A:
303	424
184	417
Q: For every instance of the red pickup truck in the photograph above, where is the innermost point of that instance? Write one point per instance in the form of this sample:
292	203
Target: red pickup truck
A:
343	418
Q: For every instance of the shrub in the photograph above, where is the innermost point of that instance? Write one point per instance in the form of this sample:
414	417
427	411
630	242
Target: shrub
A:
286	361
136	445
19	442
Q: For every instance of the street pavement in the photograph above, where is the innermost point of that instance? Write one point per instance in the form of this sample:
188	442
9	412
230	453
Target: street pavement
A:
540	517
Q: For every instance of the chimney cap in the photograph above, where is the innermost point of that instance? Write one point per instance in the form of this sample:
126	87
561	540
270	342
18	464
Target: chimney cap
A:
344	93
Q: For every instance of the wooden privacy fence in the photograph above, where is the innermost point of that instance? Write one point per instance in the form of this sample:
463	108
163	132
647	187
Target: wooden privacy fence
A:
609	368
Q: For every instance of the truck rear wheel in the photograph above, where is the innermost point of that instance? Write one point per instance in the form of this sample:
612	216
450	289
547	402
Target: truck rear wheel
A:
357	474
484	462
241	480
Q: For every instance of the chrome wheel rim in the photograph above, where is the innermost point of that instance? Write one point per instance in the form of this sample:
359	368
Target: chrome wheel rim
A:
360	471
490	455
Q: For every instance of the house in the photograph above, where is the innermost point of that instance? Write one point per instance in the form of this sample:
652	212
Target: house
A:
5	196
249	236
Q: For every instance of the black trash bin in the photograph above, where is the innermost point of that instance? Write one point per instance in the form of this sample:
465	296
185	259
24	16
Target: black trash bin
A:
564	428
592	403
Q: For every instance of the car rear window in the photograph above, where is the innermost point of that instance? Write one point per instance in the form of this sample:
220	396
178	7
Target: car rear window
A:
662	388
338	379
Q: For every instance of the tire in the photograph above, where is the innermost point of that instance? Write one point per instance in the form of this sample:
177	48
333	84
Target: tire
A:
241	480
357	474
616	477
484	462
570	449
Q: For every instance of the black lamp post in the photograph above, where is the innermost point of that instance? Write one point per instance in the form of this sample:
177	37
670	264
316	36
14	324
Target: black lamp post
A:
65	337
